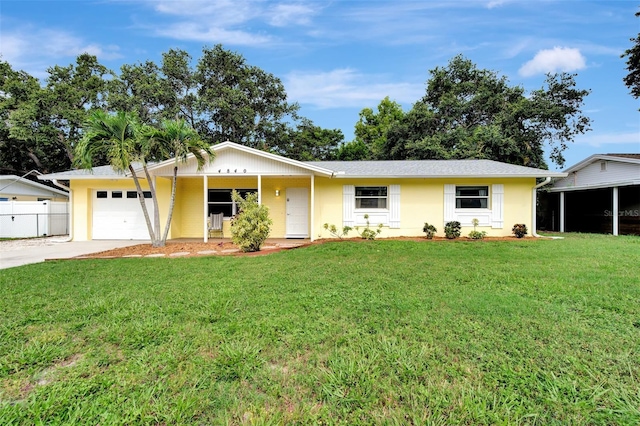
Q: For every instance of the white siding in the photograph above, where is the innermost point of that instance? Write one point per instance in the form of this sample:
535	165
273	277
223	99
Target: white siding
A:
230	162
593	175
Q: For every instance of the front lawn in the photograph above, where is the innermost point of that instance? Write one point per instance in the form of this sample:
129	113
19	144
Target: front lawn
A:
397	332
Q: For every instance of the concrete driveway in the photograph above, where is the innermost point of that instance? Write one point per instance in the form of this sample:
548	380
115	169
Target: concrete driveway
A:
35	250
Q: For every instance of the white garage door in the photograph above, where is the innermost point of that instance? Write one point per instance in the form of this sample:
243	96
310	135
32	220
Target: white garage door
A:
117	215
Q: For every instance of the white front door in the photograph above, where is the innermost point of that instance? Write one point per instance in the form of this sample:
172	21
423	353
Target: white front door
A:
297	213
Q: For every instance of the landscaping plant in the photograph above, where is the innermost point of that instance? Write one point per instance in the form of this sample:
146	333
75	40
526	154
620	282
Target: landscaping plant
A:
333	230
368	233
429	230
475	234
452	229
251	226
519	230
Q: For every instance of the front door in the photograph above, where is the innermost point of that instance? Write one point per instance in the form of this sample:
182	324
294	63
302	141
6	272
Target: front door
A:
297	213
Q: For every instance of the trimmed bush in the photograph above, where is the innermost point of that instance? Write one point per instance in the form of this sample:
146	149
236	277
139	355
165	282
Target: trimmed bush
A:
452	229
519	230
252	225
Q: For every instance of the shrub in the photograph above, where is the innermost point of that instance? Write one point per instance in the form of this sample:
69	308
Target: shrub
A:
475	234
519	230
368	233
251	226
429	230
452	229
333	230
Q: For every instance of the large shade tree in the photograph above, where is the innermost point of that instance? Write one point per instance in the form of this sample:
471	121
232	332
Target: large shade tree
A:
128	145
469	112
371	132
41	123
222	96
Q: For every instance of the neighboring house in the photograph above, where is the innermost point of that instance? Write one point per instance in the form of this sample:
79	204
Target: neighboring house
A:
302	196
31	209
600	194
15	188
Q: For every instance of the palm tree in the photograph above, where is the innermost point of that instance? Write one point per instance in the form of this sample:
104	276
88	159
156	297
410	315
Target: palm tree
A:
124	141
118	138
175	139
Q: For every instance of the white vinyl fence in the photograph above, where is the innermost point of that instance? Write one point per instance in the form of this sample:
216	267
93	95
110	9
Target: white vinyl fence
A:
24	219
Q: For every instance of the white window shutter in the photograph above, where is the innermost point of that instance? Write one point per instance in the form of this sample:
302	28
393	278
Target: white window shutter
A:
497	205
449	202
394	206
348	205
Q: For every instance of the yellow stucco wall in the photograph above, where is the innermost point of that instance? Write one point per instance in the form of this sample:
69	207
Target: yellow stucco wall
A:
189	216
422	200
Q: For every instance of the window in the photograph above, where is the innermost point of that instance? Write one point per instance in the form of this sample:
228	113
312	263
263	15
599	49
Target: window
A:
101	194
116	194
219	201
472	197
134	194
371	197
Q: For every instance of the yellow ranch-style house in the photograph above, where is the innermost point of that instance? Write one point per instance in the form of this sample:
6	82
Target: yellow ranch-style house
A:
304	195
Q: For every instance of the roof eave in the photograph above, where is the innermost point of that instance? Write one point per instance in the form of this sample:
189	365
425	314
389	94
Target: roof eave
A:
480	176
257	152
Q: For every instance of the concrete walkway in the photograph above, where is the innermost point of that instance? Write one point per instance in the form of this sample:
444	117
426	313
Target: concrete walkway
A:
34	250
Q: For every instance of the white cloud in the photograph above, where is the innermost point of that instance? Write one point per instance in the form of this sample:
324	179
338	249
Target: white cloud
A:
286	14
221	12
211	34
496	3
32	49
228	21
553	60
632	138
347	88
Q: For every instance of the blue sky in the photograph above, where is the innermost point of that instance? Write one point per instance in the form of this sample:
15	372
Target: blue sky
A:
337	57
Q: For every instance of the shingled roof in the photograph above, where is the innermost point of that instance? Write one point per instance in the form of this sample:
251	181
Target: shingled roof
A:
431	169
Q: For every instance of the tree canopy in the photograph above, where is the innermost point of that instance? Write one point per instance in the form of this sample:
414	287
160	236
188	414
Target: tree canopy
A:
371	132
220	96
469	112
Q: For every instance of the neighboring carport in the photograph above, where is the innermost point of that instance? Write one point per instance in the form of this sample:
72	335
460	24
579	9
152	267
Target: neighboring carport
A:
600	195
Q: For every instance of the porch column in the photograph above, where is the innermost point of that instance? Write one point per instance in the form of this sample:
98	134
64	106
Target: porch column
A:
313	204
562	212
205	184
616	217
259	189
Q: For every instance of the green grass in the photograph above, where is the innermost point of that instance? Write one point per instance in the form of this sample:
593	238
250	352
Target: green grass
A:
392	332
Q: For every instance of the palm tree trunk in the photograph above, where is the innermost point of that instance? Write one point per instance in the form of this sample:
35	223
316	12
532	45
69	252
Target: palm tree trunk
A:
143	204
171	203
157	242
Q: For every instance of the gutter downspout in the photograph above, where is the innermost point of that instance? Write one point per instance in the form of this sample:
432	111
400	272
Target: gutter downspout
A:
70	237
534	198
